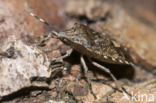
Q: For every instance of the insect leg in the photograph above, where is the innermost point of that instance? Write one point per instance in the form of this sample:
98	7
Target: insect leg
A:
68	53
112	76
45	39
85	72
59	61
106	70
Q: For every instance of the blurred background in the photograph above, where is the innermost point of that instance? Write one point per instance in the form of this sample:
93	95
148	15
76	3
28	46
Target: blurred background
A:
131	22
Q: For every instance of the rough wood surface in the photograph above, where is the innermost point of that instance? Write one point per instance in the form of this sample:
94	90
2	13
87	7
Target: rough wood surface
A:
131	23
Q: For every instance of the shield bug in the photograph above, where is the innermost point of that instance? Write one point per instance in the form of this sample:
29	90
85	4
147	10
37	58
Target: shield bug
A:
91	44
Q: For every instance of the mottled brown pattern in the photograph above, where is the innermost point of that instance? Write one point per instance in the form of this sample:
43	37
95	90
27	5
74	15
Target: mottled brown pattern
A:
90	43
94	45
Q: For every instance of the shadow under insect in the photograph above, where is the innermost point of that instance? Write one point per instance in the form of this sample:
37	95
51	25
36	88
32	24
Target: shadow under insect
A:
120	71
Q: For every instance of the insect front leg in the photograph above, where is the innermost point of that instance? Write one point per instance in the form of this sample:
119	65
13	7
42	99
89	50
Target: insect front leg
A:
59	61
45	39
55	67
68	53
83	63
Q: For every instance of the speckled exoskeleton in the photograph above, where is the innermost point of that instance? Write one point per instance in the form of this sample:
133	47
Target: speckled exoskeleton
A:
91	44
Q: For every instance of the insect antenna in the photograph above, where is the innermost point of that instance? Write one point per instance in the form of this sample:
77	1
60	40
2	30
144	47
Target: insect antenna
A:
55	30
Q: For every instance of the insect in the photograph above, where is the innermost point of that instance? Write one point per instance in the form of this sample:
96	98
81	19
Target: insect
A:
91	44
